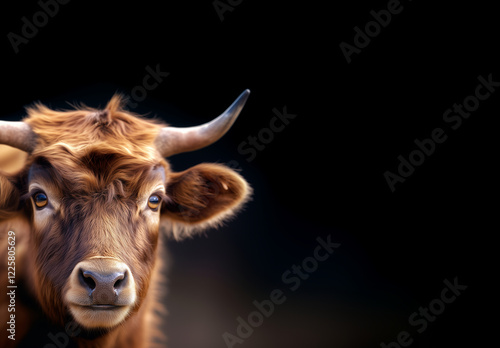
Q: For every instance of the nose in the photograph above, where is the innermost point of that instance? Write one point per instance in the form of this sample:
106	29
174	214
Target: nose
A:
104	284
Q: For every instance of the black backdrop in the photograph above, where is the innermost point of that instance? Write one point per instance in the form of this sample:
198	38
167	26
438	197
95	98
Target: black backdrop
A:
322	174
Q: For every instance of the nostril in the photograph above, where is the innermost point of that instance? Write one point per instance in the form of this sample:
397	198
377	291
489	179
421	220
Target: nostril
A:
87	279
121	281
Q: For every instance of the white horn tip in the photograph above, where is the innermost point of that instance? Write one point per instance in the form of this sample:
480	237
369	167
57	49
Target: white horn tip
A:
235	108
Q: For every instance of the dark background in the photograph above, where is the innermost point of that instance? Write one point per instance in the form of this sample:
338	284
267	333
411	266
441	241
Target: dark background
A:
322	175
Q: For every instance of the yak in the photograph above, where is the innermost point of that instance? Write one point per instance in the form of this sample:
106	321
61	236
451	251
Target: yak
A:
84	196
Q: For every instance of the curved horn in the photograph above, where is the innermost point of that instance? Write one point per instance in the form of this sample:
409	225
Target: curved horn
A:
17	134
172	140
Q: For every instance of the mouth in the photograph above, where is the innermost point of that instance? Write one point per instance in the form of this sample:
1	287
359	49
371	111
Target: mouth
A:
98	307
99	315
103	307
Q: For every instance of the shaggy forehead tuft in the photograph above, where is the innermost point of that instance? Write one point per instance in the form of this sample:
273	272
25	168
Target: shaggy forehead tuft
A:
85	125
88	150
97	169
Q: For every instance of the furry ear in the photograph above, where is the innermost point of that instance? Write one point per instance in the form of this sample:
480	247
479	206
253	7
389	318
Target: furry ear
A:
202	196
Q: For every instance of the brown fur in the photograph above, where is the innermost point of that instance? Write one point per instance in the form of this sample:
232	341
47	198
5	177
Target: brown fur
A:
97	164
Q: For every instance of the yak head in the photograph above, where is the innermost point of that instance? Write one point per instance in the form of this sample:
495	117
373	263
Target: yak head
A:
95	188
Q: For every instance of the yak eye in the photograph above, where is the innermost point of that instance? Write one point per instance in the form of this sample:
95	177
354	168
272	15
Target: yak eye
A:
40	199
154	202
